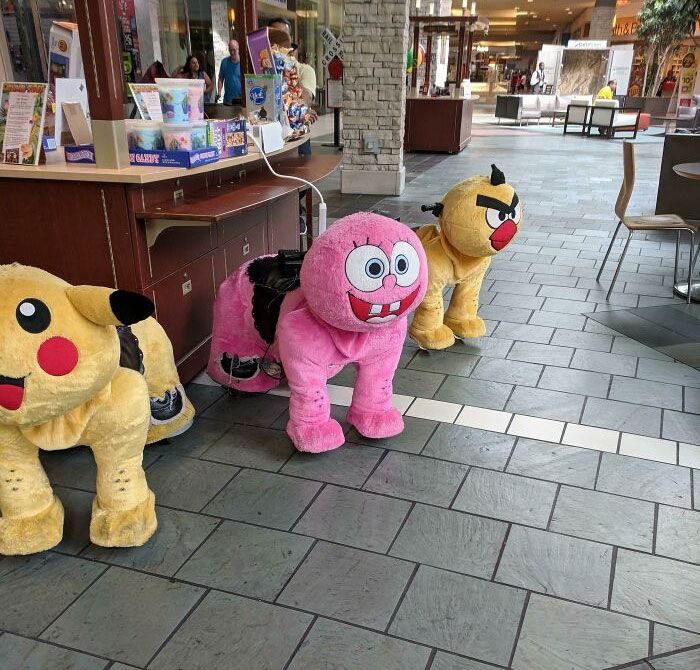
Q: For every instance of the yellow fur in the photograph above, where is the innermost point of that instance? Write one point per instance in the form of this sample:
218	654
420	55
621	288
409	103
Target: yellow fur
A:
90	401
459	252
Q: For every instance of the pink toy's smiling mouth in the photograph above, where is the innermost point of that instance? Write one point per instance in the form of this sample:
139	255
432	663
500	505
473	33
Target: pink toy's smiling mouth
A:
380	313
11	392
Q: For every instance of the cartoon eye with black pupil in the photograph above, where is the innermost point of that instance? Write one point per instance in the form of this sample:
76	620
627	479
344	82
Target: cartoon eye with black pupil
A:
374	268
33	315
401	265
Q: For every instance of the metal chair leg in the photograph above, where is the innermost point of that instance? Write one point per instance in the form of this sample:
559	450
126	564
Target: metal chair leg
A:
619	265
678	253
607	253
690	265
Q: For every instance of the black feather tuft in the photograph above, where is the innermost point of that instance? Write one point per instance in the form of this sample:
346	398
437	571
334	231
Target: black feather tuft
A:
497	177
435	208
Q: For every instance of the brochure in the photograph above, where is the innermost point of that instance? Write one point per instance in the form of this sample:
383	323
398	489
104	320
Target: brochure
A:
22	112
147	101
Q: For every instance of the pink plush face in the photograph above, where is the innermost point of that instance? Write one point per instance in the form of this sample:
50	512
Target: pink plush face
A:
364	272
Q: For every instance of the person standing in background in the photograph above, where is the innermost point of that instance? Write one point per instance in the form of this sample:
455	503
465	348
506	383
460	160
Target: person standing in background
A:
230	76
538	79
607	92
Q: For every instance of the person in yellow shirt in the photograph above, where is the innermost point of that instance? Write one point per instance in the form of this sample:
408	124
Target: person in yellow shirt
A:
607	92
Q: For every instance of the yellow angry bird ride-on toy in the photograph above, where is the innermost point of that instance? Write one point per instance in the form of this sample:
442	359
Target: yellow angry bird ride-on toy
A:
74	371
477	218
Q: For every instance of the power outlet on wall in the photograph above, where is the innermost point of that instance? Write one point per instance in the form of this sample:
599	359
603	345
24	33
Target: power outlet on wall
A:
370	144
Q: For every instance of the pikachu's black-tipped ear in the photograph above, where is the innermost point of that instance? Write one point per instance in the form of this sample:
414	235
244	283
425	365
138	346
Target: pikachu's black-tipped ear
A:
107	307
435	208
497	177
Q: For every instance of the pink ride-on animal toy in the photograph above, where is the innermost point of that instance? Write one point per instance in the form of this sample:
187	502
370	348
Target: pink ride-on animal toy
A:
346	303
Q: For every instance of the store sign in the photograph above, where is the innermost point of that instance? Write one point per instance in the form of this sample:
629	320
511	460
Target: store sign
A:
334	46
686	80
625	26
587	44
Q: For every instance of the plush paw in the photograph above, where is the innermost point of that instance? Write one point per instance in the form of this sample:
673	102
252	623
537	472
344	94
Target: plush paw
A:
376	424
32	534
123	528
471	327
440	338
316	437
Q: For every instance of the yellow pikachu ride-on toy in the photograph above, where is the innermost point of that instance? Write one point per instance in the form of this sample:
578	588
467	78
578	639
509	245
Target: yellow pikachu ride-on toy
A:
73	370
477	218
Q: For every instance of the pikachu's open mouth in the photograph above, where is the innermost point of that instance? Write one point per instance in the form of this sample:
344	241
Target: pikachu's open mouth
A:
11	392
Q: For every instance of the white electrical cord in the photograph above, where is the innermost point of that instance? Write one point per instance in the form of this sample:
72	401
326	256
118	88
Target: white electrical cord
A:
321	205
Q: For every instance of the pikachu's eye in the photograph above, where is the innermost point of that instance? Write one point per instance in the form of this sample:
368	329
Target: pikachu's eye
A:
33	315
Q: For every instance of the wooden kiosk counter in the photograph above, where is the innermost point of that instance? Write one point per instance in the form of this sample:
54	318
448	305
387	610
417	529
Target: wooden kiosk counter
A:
171	234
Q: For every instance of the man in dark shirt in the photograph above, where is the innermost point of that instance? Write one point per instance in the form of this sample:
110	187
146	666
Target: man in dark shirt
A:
230	75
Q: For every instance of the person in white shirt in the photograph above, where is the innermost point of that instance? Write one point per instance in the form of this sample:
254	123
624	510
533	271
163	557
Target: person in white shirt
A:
537	80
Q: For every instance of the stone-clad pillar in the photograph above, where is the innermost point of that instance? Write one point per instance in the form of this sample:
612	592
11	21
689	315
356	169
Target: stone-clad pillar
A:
602	20
375	42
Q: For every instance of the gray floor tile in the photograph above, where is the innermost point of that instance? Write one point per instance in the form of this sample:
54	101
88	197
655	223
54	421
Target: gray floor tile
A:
681	427
622	416
514	288
470	445
203	395
558	634
546	404
604	517
575	381
187	483
678	534
492	347
560	463
565	292
489	394
592	341
670	639
657	588
524	332
445	362
629	347
250	409
354	518
337	646
18	653
34	590
247	560
557	320
507	314
672	373
642	392
264	498
460	614
508	371
519	301
193	443
443	661
415	434
691	399
77	508
226	627
451	540
567	306
558	565
598	361
417	478
348	584
646	480
546	354
350	465
417	382
252	447
686	660
507	497
178	535
153	607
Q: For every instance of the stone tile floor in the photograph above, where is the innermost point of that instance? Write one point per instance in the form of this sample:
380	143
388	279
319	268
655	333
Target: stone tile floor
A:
538	513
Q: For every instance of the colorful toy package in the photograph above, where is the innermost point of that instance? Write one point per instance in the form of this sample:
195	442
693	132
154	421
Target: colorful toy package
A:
228	136
264	95
296	110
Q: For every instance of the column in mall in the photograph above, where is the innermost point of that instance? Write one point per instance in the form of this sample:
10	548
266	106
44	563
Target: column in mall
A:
102	62
375	42
602	20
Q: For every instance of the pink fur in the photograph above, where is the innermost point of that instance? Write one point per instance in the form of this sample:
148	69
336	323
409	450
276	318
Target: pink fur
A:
359	282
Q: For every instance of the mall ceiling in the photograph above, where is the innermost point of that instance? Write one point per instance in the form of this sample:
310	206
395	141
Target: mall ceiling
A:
529	23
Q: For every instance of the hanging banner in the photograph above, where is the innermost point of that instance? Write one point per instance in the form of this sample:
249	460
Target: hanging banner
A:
126	15
686	79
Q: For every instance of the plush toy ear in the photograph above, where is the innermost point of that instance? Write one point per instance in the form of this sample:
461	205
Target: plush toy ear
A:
497	177
107	307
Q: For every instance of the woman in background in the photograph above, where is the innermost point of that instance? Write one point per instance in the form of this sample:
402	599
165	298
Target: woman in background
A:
192	70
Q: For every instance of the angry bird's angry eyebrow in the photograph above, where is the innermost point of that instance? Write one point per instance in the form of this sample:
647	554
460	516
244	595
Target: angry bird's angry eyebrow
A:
494	203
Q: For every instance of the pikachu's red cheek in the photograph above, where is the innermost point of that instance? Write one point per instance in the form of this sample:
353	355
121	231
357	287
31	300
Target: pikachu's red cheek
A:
57	356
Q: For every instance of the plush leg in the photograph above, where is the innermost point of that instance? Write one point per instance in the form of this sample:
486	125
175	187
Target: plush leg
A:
123	512
461	317
427	328
372	412
32	517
